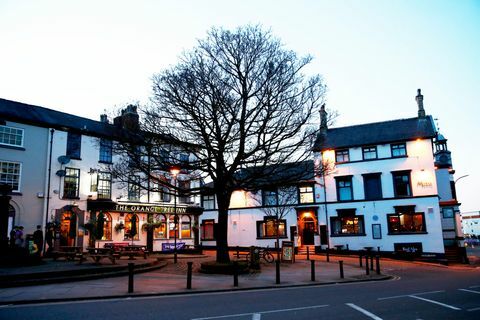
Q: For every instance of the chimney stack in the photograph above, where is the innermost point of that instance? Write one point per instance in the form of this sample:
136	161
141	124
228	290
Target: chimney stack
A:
128	119
103	118
323	120
419	98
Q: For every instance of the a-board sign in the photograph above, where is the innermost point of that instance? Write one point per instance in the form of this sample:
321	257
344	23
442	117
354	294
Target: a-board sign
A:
287	251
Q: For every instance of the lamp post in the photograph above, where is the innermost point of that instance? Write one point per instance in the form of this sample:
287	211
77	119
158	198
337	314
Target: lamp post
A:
174	172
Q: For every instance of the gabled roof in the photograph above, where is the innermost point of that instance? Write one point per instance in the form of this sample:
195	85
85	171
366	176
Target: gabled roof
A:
43	117
376	133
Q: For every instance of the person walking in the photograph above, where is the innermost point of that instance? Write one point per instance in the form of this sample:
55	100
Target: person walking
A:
38	239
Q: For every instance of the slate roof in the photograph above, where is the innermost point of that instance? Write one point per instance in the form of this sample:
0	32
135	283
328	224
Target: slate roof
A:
44	117
376	133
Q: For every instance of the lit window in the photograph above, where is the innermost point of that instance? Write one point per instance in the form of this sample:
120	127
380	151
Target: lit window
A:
11	136
398	150
130	226
342	156
267	228
71	183
369	153
347	223
306	194
107	227
186	228
160	232
10	174
405	220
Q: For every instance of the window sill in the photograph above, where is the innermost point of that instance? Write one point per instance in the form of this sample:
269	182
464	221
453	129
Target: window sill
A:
12	147
75	158
349	235
106	162
405	233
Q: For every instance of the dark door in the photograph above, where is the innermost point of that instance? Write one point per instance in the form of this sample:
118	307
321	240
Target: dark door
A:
323	234
308	232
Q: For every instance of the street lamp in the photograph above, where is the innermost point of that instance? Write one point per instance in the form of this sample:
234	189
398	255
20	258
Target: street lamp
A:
174	171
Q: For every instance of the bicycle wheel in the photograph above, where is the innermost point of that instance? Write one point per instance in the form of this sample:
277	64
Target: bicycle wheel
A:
268	257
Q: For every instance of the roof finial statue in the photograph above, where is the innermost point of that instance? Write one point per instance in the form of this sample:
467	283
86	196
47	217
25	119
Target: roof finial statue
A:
323	120
419	98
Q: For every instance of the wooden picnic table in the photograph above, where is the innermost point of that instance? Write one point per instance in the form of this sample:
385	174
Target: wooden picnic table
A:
134	250
98	254
69	253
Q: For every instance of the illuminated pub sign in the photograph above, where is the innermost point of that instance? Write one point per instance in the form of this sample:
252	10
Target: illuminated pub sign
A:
148	209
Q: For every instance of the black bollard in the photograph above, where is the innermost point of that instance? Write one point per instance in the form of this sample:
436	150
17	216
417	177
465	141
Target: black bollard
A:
360	259
340	264
328	256
312	269
378	249
238	252
348	249
277	272
308	253
367	270
130	277
371	262
377	260
189	275
235	274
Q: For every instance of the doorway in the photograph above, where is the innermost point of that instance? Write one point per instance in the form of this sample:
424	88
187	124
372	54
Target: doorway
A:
307	228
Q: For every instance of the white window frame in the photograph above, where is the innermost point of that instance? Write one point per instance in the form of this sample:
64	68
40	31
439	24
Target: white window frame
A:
19	174
14	145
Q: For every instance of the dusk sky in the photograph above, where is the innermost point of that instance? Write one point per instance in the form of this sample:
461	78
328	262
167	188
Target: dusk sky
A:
84	57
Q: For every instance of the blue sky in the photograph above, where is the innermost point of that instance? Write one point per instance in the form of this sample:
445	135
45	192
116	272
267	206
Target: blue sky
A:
83	57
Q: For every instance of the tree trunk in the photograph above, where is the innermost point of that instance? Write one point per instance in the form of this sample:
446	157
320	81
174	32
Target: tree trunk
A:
222	227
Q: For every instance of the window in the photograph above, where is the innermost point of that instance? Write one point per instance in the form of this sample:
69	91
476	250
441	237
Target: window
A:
406	220
268	229
344	188
74	144
447	212
208	202
347	223
342	156
105	151
207	228
369	153
11	136
173	227
184	187
107	227
306	194
131	221
160	232
398	150
270	197
134	188
71	183
186	228
10	174
373	186
401	184
104	185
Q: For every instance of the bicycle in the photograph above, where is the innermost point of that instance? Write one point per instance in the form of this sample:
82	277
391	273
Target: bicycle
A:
263	254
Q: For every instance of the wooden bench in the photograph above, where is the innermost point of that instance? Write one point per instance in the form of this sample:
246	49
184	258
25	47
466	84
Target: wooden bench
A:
132	252
69	253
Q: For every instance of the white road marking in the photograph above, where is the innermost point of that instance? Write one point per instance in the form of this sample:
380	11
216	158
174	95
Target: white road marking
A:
408	295
474	309
257	316
365	312
436	302
473	291
262	312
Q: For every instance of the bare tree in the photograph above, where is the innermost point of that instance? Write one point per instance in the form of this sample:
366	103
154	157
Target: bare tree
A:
240	100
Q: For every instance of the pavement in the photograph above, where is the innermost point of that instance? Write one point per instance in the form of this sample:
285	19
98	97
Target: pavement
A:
160	276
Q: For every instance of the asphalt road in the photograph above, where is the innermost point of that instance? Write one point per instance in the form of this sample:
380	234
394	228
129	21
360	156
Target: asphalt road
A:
419	292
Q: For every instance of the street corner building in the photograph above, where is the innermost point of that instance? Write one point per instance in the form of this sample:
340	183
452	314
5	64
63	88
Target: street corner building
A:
386	187
58	168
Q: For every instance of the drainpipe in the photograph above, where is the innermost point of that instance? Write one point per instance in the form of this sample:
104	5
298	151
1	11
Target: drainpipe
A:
326	211
47	206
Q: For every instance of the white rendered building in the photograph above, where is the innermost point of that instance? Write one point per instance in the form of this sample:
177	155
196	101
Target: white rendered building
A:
381	192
